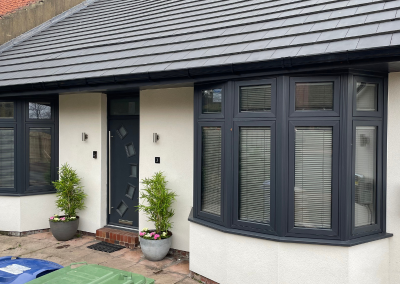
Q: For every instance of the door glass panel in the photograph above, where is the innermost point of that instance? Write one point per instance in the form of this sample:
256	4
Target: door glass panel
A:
40	110
255	174
133	170
6	158
314	96
122	132
122	207
130	149
365	175
255	98
40	156
211	101
6	110
211	170
127	106
367	96
130	191
313	177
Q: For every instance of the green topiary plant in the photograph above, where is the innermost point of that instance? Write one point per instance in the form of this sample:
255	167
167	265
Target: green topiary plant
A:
70	195
158	202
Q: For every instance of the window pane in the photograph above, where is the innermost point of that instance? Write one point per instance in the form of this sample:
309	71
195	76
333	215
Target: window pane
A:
313	177
39	156
40	110
255	98
211	170
211	100
367	95
365	175
128	106
6	158
6	110
255	174
314	96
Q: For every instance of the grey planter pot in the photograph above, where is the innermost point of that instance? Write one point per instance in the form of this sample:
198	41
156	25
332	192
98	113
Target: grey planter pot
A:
64	231
155	250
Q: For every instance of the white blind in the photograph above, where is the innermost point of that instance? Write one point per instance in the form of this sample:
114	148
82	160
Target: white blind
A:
255	98
365	175
255	174
6	157
211	170
314	96
313	177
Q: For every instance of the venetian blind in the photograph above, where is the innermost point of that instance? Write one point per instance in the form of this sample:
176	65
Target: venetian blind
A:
365	175
314	96
313	177
6	158
255	174
211	170
255	98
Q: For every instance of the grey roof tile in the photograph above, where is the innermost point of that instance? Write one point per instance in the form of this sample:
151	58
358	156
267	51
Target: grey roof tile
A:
318	17
318	48
257	45
286	52
395	39
260	55
237	58
370	8
356	20
333	34
283	41
362	30
381	16
307	38
235	48
325	25
374	41
392	4
342	45
389	26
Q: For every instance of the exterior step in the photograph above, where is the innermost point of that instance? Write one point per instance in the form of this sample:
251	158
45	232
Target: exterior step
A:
118	237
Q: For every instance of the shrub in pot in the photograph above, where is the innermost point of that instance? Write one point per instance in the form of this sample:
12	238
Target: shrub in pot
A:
70	198
157	200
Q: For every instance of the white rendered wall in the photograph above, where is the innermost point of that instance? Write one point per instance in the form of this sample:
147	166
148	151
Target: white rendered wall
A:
86	112
231	259
36	211
10	213
393	176
169	112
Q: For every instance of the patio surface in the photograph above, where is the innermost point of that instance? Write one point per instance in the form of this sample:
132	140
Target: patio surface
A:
44	246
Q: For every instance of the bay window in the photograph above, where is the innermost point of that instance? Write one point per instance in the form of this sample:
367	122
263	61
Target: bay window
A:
292	158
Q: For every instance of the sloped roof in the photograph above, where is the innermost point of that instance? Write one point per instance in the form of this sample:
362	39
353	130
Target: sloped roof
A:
9	6
114	37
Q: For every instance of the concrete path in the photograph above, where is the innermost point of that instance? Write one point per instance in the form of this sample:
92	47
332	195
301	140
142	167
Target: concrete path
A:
44	246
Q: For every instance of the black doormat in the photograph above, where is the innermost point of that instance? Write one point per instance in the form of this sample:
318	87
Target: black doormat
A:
105	247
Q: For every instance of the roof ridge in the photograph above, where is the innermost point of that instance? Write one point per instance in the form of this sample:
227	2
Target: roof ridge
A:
45	25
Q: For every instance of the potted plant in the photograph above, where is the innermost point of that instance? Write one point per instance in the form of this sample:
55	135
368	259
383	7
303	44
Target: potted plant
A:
70	198
156	243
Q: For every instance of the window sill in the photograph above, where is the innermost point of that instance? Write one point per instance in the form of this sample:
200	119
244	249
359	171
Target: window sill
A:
348	243
27	193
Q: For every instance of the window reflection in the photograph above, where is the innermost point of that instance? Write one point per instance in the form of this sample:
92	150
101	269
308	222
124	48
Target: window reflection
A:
39	110
40	156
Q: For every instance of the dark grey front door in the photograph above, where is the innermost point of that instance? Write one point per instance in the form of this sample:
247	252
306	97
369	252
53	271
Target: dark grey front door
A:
124	171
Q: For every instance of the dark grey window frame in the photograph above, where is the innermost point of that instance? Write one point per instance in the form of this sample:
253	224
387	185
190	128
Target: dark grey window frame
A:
260	114
376	228
21	124
208	216
252	226
318	79
309	232
380	105
344	234
223	102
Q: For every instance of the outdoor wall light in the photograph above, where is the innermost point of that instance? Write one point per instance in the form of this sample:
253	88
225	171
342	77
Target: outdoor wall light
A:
84	136
156	137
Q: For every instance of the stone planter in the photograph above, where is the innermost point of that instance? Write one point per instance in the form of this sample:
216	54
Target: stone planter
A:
155	250
64	231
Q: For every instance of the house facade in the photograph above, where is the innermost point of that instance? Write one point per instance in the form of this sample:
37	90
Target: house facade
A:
275	122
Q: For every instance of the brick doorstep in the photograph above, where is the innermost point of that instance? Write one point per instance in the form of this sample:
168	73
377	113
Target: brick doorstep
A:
118	237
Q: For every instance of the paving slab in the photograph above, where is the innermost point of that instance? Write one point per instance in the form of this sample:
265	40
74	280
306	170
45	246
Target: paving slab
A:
44	246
